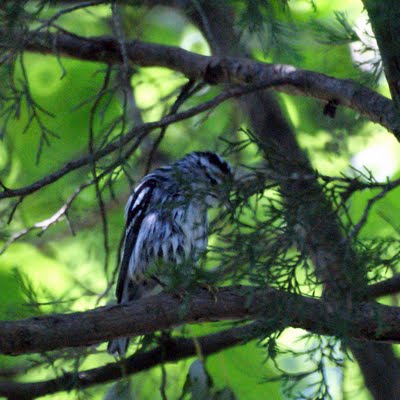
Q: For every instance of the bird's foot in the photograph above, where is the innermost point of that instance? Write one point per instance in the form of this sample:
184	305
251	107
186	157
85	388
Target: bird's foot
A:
213	290
179	293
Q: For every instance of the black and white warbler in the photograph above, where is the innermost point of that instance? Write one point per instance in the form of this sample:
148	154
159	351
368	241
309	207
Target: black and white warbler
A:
166	220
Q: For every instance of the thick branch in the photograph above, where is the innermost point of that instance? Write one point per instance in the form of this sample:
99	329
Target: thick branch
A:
368	321
171	350
384	288
220	70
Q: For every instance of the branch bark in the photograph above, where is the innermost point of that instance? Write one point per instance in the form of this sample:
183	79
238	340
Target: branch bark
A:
386	287
366	321
220	70
171	350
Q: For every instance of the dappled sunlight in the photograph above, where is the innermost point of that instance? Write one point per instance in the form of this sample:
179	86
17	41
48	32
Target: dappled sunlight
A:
380	156
265	295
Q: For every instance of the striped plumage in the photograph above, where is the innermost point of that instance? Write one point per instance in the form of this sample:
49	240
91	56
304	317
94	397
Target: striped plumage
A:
166	220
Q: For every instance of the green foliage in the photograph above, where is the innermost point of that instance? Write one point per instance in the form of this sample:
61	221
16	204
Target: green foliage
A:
340	33
54	110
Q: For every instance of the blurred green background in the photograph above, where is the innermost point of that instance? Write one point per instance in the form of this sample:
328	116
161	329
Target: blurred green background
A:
61	271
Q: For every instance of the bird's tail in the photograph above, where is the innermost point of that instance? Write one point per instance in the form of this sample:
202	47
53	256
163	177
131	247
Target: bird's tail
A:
130	292
118	346
126	293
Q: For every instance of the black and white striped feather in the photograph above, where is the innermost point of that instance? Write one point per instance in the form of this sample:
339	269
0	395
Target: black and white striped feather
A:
166	219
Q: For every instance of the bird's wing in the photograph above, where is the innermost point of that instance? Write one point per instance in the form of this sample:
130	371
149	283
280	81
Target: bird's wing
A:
135	211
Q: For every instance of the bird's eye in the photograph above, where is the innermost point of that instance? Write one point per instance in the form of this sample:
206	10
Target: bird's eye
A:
211	179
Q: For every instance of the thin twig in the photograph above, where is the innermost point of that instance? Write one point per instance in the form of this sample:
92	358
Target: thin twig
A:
91	151
357	228
49	21
186	92
14	209
48	222
163	384
136	133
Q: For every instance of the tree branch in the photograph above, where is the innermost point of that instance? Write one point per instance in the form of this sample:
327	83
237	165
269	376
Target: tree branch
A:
171	350
137	133
384	288
219	70
367	321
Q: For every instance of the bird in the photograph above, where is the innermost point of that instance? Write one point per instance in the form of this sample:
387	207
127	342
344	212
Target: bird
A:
166	221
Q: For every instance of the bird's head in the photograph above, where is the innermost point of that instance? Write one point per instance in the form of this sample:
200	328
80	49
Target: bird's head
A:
208	176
